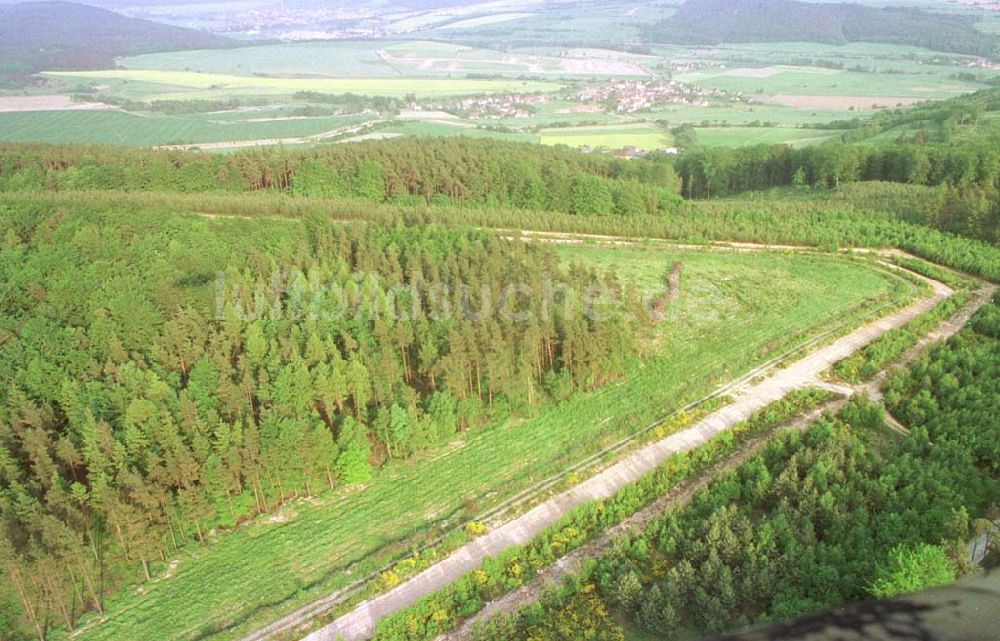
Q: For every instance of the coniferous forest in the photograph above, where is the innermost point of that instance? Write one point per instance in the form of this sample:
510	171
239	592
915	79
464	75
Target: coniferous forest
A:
163	378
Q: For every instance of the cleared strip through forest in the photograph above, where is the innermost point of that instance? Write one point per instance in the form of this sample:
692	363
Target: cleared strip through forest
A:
300	618
360	623
569	564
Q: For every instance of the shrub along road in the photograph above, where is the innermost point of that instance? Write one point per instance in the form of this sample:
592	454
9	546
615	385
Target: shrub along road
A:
679	495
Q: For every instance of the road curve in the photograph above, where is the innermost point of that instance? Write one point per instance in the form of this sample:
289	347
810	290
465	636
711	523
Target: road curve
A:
359	623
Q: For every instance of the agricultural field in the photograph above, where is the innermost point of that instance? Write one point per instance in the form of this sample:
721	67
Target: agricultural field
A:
782	89
429	129
386	59
438	57
640	135
746	136
808	77
742	114
486	20
121	128
733	310
561	24
887	89
344	59
143	84
789	52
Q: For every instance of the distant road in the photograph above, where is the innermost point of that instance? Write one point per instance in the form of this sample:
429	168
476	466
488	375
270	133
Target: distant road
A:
270	142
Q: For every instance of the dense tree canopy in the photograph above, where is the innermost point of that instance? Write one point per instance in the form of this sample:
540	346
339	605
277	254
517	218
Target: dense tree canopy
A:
716	21
165	375
468	172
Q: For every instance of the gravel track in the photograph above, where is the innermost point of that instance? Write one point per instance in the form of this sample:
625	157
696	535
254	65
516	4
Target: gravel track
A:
359	623
680	495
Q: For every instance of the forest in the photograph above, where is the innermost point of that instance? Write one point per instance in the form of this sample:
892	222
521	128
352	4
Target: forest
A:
717	21
190	340
79	36
954	187
950	186
467	172
840	513
143	406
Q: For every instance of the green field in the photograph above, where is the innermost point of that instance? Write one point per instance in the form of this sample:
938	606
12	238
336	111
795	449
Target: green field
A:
344	59
121	128
433	129
818	81
641	135
741	114
375	59
734	310
746	136
180	85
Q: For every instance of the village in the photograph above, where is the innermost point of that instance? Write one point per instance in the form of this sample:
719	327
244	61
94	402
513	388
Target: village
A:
505	106
635	95
623	97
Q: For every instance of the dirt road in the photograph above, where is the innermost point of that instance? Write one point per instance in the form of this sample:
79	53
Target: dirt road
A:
571	563
268	142
360	623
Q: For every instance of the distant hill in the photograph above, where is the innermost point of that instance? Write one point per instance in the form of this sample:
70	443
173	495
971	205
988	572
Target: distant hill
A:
64	35
717	21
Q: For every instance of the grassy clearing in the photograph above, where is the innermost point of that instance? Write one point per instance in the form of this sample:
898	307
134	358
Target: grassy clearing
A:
734	310
178	82
612	136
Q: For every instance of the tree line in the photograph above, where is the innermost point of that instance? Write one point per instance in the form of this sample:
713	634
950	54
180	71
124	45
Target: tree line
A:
454	170
949	187
709	172
827	223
